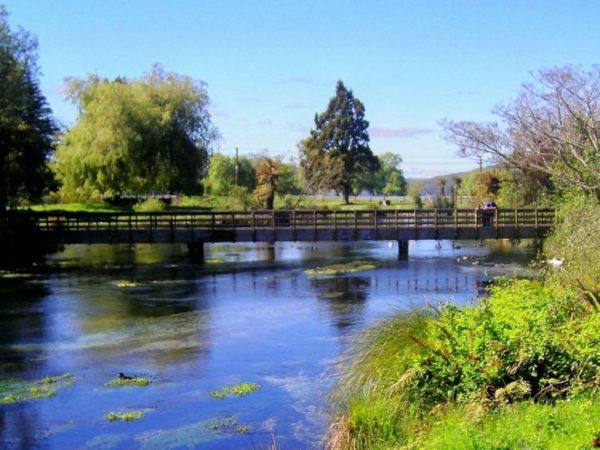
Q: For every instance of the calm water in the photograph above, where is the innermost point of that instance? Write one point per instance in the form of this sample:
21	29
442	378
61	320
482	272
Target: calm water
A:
249	315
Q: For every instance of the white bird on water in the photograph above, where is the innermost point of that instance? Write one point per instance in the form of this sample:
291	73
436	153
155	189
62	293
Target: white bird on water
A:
556	262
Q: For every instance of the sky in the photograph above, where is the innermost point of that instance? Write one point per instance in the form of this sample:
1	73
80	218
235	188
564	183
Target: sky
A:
271	65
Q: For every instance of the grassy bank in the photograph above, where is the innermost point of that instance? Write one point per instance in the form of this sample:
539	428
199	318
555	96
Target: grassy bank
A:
496	375
231	203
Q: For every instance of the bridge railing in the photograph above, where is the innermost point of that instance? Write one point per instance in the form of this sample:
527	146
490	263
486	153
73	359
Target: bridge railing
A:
295	219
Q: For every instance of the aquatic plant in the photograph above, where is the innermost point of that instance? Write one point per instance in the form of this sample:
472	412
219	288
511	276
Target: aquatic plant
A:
237	390
228	425
135	381
337	269
126	416
214	261
15	390
126	284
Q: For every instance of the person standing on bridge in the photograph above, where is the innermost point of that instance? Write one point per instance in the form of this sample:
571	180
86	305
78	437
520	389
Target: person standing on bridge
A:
489	213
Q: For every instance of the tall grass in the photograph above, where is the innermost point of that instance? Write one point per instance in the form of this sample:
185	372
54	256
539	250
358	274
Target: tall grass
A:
528	344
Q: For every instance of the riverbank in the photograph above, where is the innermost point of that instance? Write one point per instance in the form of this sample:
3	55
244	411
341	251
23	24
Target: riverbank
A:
518	369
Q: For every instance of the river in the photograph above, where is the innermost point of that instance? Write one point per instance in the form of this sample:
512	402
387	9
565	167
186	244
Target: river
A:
250	314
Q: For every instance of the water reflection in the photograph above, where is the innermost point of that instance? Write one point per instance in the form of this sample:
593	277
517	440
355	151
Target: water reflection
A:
345	298
248	314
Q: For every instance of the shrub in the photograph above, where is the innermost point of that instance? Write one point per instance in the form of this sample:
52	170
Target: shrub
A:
149	205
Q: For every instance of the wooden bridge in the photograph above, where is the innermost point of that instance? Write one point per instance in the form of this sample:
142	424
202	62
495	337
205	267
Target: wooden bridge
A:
198	227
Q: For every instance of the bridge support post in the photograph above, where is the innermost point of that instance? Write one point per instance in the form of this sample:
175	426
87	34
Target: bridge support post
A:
402	249
196	251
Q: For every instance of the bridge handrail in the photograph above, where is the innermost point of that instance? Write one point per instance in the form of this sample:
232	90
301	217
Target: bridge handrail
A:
294	219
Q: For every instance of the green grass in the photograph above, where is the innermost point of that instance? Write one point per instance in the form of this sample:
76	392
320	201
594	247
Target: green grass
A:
526	425
225	203
237	390
338	269
469	377
15	390
125	416
78	207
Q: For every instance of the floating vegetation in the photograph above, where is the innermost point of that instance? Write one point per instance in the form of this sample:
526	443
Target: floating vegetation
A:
126	284
237	390
126	416
129	381
228	425
214	261
230	248
6	275
282	276
337	269
13	391
191	436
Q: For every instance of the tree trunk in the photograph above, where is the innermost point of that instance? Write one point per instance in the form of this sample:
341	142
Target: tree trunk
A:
269	201
347	191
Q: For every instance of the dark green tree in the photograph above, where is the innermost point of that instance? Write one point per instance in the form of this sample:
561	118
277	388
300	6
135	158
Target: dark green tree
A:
27	128
340	136
150	134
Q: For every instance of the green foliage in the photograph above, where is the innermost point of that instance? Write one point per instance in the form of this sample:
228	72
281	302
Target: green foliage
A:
145	135
526	425
341	138
414	192
149	205
237	390
525	342
576	239
125	416
388	180
26	125
220	179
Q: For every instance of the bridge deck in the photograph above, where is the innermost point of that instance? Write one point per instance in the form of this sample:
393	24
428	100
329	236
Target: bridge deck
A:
291	225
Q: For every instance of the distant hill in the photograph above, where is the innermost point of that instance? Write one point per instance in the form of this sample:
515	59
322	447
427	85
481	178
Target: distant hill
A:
429	186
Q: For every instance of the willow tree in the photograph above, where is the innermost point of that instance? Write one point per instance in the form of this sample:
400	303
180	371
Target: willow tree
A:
141	135
340	137
26	125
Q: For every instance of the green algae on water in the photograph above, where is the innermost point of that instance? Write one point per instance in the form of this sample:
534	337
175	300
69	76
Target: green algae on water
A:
338	269
15	390
214	261
105	442
127	416
136	381
195	435
237	390
228	425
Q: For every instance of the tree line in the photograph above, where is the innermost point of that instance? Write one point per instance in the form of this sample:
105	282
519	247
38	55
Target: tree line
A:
154	133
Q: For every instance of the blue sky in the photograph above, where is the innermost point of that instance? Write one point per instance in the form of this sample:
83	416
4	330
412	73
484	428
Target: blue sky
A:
270	65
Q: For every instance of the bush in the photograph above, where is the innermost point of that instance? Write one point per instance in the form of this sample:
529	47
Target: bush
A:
149	205
576	239
526	341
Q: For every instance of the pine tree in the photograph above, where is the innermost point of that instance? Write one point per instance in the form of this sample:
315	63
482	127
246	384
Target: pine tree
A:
341	136
27	128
